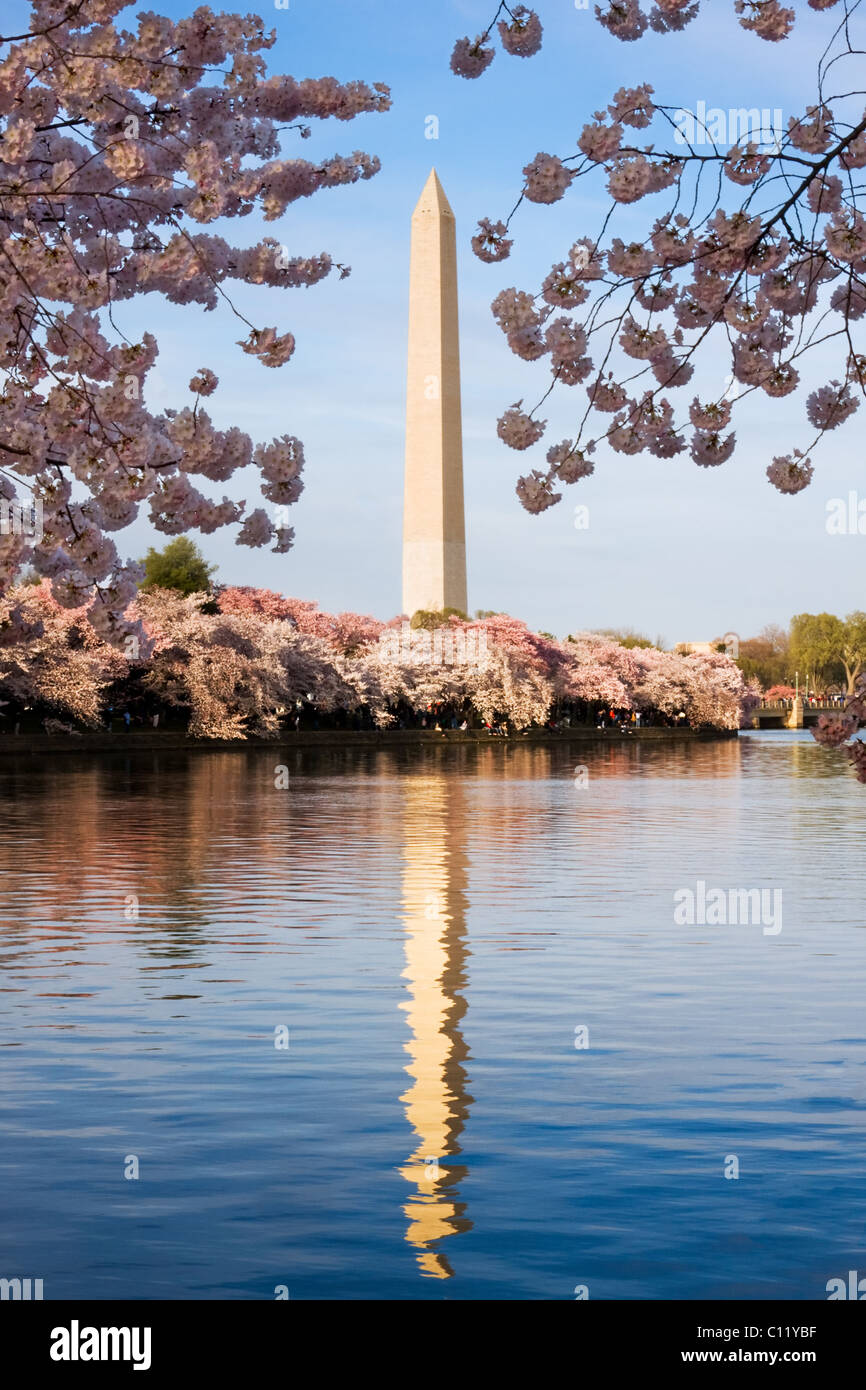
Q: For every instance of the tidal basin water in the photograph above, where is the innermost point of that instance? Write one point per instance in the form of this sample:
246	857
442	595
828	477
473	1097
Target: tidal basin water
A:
430	932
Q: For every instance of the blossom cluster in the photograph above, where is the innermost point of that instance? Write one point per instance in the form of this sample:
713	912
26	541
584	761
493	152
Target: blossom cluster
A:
626	20
520	35
840	730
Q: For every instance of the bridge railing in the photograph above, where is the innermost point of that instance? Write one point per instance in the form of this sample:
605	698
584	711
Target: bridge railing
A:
812	704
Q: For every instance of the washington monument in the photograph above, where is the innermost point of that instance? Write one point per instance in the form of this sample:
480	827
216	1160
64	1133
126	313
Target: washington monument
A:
434	536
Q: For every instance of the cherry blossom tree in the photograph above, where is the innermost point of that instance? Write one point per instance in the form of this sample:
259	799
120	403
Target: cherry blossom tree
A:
121	147
235	672
52	659
507	687
346	632
754	251
389	676
717	695
518	675
600	670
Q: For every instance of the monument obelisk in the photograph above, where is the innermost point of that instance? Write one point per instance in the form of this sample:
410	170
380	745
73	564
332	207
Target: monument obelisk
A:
434	535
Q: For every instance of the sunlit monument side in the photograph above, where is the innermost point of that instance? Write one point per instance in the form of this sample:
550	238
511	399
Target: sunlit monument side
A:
434	535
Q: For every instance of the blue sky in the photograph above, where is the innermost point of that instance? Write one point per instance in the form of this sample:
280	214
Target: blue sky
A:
671	549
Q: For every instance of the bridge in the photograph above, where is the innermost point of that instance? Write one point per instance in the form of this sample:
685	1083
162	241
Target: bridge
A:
792	714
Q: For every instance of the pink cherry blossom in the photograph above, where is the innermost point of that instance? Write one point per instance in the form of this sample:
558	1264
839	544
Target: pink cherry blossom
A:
522	37
624	18
710	448
600	142
633	106
470	58
566	342
766	18
744	165
812	132
490	243
641	342
257	529
630	179
518	430
271	349
630	262
546	179
830	406
713	417
536	491
607	395
846	235
790	474
570	462
850	299
825	195
564	287
204	383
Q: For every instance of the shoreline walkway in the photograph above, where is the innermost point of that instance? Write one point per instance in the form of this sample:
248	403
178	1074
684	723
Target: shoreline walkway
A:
150	741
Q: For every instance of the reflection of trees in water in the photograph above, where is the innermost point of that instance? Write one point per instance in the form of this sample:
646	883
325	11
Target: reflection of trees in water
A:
624	755
437	1101
85	832
511	759
51	822
806	758
186	834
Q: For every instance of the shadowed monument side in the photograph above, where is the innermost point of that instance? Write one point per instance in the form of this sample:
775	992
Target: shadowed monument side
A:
434	536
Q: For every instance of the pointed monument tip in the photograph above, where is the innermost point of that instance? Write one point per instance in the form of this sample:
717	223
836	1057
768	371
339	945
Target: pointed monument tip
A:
433	198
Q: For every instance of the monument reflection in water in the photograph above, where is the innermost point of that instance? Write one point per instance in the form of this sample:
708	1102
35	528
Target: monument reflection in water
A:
437	1102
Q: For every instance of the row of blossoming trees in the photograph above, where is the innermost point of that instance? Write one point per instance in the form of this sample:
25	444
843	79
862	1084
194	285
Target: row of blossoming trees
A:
237	665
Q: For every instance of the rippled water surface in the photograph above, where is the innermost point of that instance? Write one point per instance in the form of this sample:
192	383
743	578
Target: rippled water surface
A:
430	931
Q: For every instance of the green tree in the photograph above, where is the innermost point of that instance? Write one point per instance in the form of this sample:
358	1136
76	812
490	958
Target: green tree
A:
625	636
817	642
766	658
854	648
429	618
179	565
